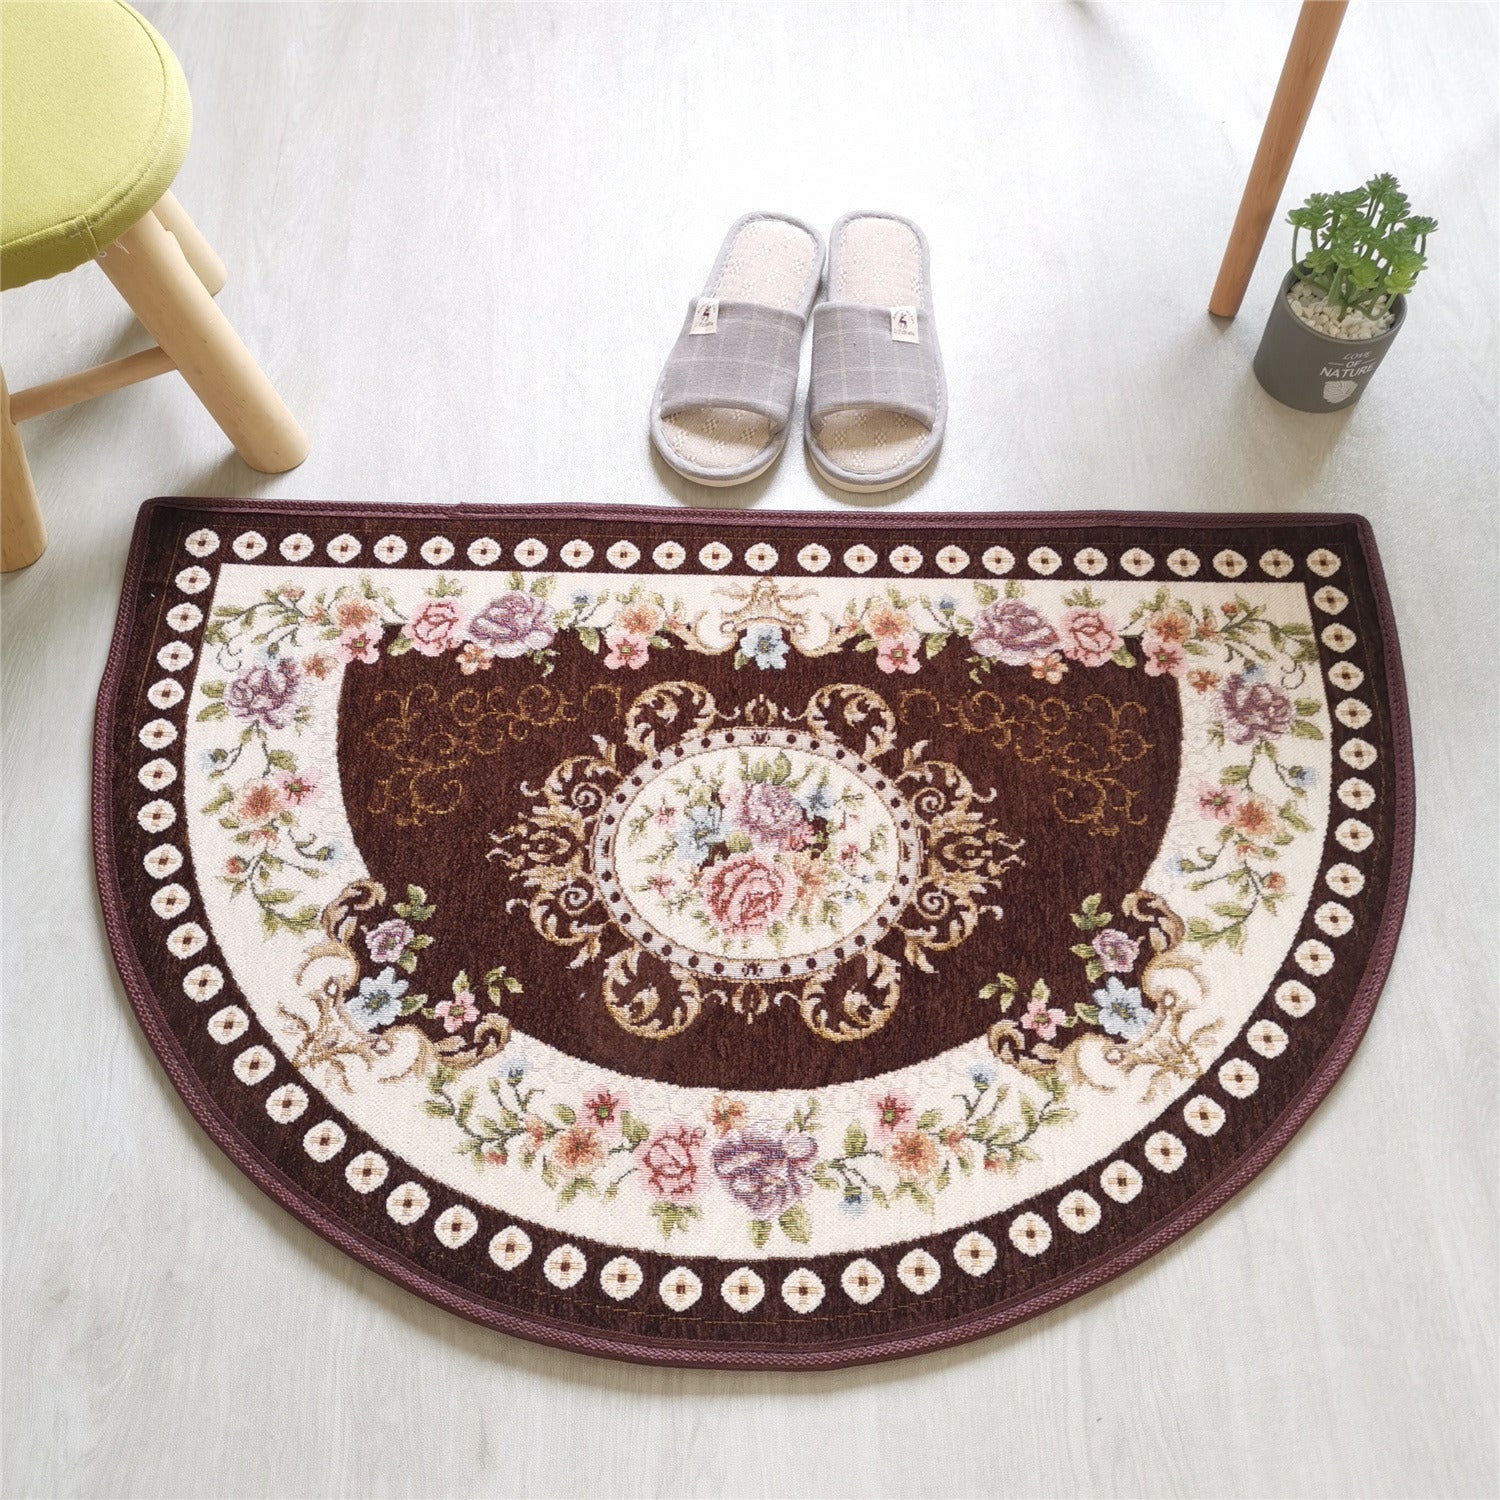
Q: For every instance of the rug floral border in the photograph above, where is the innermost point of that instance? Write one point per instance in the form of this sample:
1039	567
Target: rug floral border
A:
577	1294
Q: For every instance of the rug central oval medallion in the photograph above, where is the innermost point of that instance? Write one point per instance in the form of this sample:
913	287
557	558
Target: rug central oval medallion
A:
753	866
757	852
733	940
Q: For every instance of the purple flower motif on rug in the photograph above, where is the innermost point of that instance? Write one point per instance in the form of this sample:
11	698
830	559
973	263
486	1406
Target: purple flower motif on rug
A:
771	813
1117	950
1254	709
764	1170
514	625
388	941
265	695
1012	632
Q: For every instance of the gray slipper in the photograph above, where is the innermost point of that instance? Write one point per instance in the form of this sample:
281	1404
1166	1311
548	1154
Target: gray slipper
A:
725	398
878	402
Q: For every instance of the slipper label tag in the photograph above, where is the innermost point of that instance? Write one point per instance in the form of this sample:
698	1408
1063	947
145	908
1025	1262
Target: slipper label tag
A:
904	325
706	316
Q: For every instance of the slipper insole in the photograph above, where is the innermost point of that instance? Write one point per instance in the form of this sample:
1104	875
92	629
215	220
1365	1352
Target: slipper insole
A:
877	261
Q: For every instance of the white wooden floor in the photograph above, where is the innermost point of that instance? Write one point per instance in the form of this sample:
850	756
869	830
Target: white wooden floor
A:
460	238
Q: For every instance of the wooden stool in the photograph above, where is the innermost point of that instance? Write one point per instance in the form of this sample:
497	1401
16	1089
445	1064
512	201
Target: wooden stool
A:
96	121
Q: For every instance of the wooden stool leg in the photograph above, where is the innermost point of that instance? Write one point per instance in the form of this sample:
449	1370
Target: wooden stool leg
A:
1306	58
201	256
23	538
151	272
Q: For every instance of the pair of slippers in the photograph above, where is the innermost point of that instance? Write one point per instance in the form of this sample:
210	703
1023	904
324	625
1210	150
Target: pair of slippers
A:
877	401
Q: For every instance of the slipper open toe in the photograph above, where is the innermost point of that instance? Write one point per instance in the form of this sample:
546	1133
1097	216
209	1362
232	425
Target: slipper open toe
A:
725	398
877	403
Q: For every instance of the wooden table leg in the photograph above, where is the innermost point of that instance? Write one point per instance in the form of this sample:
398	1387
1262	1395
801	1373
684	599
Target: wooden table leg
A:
151	272
23	537
1312	42
201	256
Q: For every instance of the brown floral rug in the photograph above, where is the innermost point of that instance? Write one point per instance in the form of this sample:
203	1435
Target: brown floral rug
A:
721	938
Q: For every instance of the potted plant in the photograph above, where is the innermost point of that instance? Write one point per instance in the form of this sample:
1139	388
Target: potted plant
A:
1343	302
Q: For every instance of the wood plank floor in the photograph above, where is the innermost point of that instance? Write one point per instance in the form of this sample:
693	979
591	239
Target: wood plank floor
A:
460	238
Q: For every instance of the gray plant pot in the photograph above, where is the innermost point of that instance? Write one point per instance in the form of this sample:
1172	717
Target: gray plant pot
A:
1308	370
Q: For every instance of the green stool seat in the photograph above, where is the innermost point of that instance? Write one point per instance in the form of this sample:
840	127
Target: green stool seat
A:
94	125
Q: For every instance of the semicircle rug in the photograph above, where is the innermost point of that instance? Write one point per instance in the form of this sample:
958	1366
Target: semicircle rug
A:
743	939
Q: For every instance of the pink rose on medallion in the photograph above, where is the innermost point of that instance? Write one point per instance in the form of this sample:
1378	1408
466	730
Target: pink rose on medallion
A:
436	627
1089	637
745	894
